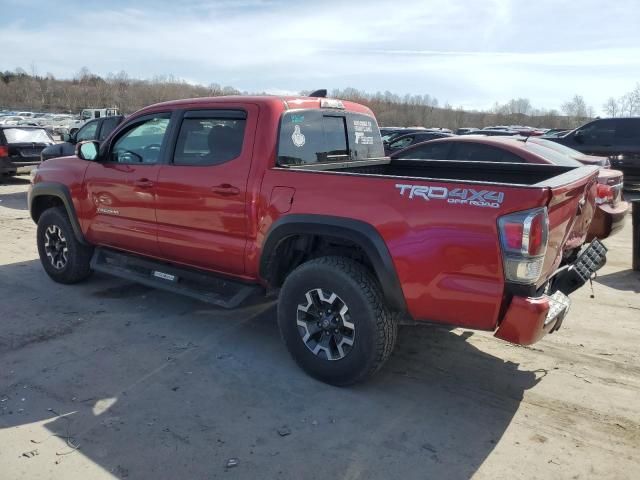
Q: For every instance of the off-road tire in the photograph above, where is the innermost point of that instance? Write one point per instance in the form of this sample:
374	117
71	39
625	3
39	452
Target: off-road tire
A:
374	325
78	256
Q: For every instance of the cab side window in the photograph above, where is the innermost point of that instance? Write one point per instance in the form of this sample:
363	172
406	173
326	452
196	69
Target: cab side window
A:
628	131
209	140
142	143
108	125
599	132
87	132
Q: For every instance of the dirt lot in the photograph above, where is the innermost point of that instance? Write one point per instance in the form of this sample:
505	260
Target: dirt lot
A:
153	385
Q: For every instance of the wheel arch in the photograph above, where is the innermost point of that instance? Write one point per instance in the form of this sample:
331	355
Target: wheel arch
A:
45	195
357	233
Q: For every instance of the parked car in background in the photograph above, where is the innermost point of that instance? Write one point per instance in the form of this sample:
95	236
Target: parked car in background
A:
11	120
87	114
526	131
490	132
575	154
556	132
616	138
20	147
97	129
409	139
611	210
466	130
391	134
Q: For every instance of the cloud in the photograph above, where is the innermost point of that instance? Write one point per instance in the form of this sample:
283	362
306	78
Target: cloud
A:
468	54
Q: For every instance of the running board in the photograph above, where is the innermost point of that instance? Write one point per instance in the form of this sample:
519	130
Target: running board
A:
204	286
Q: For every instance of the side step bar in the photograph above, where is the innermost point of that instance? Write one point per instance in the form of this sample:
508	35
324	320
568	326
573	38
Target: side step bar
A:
204	286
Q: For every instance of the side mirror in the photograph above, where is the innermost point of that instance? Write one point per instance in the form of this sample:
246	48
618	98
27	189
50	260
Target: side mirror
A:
88	150
578	136
68	138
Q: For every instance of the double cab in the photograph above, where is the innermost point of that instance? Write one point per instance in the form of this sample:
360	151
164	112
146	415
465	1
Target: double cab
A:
226	198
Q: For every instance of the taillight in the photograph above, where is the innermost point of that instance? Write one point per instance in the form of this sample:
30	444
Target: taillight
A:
4	151
604	194
523	238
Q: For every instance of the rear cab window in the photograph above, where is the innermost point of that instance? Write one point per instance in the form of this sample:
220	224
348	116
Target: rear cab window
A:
318	136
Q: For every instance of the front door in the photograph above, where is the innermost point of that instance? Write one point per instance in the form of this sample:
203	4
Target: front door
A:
121	187
201	191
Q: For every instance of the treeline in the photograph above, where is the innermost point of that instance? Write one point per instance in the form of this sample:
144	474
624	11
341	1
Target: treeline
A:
628	105
20	90
424	110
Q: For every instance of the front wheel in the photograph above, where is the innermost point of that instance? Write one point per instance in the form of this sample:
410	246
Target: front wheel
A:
63	257
334	321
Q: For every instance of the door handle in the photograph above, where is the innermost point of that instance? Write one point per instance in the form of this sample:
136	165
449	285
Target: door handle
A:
225	189
143	183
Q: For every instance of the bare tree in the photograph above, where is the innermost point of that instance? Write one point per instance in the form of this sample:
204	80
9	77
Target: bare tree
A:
576	107
611	107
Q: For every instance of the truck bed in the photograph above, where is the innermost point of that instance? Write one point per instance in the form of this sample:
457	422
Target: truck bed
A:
515	174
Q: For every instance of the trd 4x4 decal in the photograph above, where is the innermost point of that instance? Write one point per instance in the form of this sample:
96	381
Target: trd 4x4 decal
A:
458	196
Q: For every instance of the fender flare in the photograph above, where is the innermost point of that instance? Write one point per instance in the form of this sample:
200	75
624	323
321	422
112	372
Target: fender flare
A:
60	191
361	233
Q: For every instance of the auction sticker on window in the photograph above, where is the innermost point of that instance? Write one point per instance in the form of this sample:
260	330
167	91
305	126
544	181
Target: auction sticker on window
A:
298	137
361	129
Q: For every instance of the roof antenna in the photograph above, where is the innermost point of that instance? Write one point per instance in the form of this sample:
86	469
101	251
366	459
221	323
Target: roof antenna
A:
322	93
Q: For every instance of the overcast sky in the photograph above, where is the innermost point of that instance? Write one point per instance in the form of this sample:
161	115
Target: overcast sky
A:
469	53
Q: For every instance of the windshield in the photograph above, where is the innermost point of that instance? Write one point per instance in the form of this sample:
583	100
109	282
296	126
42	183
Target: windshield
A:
27	135
323	136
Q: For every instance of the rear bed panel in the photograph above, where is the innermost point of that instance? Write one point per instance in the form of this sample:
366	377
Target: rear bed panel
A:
447	255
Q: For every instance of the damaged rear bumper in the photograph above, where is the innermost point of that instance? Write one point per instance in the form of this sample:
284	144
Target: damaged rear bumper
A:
529	318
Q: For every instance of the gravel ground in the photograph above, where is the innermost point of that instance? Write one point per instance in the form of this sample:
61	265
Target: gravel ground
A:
152	385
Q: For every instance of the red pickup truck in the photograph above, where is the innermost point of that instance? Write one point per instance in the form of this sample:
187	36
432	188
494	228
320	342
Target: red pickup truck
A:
223	198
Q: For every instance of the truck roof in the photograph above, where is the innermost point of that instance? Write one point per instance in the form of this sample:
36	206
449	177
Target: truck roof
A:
272	101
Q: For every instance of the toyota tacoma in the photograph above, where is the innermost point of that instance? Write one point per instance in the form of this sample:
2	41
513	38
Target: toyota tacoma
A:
225	198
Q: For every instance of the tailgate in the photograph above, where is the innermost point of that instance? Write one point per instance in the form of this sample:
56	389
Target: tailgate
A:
571	206
25	152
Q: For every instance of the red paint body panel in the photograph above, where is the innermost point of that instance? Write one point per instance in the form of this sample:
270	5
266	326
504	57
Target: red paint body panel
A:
447	257
440	257
114	188
523	323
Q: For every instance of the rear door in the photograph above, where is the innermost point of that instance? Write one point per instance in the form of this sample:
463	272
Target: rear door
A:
202	192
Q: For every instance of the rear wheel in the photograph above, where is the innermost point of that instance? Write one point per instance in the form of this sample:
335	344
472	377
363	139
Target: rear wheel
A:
63	257
334	321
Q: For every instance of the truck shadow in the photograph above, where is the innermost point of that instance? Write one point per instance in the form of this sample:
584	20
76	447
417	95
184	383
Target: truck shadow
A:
20	179
159	386
15	201
624	280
